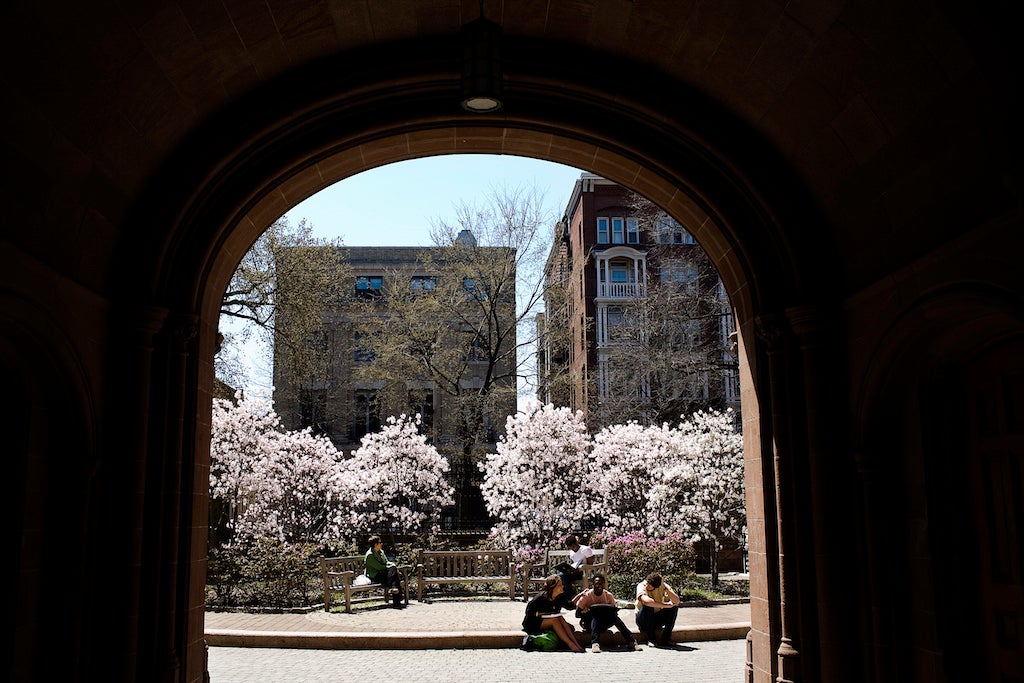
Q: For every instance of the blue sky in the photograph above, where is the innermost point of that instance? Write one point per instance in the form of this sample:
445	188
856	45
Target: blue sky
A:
394	205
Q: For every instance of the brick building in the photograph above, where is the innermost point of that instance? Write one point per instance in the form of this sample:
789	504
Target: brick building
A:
649	333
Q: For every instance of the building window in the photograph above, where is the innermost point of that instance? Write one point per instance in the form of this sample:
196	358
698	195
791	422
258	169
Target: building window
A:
669	231
474	290
362	348
616	317
421	402
422	283
369	286
602	230
476	349
679	273
365	414
632	231
313	411
731	385
618	231
616	326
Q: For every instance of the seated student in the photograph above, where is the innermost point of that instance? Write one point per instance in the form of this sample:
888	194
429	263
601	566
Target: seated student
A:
542	614
598	612
579	556
657	605
381	570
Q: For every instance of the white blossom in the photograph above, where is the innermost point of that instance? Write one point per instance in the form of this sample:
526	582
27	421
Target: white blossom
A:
398	481
532	484
275	483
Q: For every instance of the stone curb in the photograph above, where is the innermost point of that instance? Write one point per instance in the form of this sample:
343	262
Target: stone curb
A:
418	640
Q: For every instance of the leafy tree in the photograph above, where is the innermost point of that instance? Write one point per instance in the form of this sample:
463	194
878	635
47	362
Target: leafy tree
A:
470	334
278	293
399	481
531	485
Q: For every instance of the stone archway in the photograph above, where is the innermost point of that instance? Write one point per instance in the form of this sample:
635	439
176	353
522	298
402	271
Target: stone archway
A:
954	427
229	183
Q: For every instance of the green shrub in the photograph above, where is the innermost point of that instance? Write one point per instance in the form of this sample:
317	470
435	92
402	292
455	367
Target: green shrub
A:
264	573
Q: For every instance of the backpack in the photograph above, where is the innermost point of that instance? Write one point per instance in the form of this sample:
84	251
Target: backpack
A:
545	641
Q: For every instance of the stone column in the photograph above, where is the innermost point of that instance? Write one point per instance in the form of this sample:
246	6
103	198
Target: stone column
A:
168	489
121	526
828	481
774	333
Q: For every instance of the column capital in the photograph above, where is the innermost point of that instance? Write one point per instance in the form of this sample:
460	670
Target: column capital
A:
772	329
183	328
807	322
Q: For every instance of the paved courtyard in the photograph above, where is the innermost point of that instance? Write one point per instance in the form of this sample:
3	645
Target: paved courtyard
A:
437	641
720	661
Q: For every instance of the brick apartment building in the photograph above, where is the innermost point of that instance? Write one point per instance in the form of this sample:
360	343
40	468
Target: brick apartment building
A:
649	332
352	394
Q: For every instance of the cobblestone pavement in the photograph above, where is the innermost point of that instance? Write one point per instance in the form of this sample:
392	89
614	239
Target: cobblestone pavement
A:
694	659
720	661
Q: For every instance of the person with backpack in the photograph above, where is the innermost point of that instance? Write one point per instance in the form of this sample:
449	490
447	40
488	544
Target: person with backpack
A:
543	614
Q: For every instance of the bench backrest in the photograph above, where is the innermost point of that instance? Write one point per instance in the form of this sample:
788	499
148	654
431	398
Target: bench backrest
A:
332	567
455	563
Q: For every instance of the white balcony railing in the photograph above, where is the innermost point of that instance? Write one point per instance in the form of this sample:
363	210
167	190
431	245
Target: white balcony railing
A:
621	290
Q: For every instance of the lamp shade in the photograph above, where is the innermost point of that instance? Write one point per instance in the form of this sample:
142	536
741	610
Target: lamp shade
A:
481	66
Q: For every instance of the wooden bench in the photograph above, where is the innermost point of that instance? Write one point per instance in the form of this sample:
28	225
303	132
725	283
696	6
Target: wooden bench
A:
465	566
339	573
534	575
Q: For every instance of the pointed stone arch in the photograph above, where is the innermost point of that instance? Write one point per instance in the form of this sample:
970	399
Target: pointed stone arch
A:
251	164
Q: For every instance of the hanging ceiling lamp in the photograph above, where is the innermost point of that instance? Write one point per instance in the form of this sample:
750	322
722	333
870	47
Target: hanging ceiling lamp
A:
481	65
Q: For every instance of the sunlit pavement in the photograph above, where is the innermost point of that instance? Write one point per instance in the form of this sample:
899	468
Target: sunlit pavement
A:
719	661
402	645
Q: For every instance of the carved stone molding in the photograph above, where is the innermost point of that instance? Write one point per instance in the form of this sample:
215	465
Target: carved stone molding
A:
773	330
807	323
184	329
146	323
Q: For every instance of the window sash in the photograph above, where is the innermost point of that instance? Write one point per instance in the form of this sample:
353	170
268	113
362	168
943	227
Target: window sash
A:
632	231
618	231
422	283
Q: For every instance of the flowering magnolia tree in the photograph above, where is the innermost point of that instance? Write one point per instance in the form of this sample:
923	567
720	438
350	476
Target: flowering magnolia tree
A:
658	481
399	481
531	485
273	483
704	492
627	460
